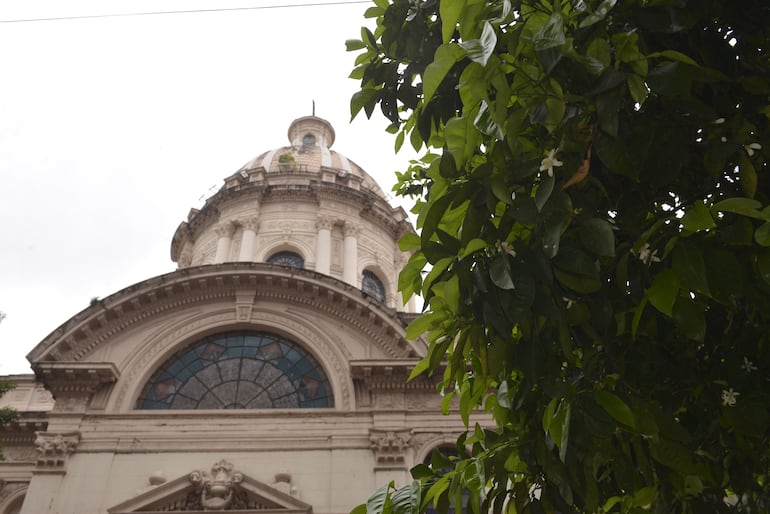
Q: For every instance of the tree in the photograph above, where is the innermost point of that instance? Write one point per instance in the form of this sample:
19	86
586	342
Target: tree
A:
6	413
594	247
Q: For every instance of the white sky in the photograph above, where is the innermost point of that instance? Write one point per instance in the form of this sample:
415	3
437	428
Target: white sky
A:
111	129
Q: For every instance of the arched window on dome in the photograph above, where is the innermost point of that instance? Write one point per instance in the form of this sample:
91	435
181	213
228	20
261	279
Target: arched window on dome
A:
239	370
308	140
372	285
287	259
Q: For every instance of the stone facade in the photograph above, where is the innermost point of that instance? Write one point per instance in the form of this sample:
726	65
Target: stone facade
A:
98	433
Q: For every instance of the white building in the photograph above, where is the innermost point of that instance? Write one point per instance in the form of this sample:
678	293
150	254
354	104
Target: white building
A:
267	374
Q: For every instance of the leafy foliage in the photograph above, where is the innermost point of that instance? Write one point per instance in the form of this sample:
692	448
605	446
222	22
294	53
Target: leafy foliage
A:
6	414
594	248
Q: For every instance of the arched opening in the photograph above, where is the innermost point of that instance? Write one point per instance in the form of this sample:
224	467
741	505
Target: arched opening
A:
287	258
372	285
239	370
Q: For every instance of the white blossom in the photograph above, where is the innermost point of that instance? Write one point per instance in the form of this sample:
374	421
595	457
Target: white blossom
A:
646	255
748	365
569	301
507	248
751	147
549	162
723	139
719	121
729	397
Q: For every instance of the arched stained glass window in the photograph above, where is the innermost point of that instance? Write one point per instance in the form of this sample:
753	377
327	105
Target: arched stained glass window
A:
372	285
287	259
239	370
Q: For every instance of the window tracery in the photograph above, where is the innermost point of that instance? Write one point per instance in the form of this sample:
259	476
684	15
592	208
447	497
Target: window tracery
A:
287	259
372	285
239	370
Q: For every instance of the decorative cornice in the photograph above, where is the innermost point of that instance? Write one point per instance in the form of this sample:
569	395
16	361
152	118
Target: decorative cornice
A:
392	375
389	447
88	329
54	449
75	377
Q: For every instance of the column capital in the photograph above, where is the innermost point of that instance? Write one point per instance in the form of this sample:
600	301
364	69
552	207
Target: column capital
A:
225	229
250	223
351	229
324	223
53	449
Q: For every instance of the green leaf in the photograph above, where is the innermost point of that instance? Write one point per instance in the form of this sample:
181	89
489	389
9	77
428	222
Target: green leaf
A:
598	15
645	496
687	262
738	205
615	407
637	88
697	217
596	235
379	502
359	509
473	246
674	56
600	50
479	50
450	13
406	500
408	242
544	191
664	291
445	57
762	234
352	45
689	317
500	272
364	98
551	34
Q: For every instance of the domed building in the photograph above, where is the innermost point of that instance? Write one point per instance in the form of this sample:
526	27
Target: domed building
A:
266	374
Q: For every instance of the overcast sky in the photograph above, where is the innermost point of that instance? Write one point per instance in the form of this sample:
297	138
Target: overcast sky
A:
111	129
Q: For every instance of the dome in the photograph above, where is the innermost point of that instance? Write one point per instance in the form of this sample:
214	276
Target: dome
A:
309	151
302	206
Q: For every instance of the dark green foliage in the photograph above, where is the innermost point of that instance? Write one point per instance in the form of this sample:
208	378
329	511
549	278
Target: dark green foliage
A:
6	414
594	209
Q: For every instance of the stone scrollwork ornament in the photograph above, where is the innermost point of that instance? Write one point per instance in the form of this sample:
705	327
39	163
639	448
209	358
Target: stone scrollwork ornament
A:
217	489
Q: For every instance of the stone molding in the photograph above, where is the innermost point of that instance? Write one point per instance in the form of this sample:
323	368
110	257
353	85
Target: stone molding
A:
324	222
252	224
351	229
53	450
222	489
225	229
390	446
92	327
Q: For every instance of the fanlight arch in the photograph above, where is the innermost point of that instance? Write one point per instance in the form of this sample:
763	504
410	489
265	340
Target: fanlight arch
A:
372	285
239	370
287	258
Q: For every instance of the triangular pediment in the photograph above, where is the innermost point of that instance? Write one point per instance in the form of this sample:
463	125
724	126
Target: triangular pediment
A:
221	490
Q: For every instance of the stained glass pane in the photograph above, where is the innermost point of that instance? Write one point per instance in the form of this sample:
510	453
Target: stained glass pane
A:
287	259
372	285
238	370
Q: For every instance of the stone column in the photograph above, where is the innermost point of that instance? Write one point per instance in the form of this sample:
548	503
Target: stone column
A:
225	234
350	254
323	245
248	240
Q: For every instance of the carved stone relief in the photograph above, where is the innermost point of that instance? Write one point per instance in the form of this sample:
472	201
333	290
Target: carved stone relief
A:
390	447
217	489
53	449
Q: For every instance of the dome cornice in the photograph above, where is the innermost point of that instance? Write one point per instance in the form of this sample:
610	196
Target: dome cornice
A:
82	334
289	187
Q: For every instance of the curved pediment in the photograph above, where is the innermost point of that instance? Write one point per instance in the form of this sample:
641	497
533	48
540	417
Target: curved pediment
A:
245	286
223	489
